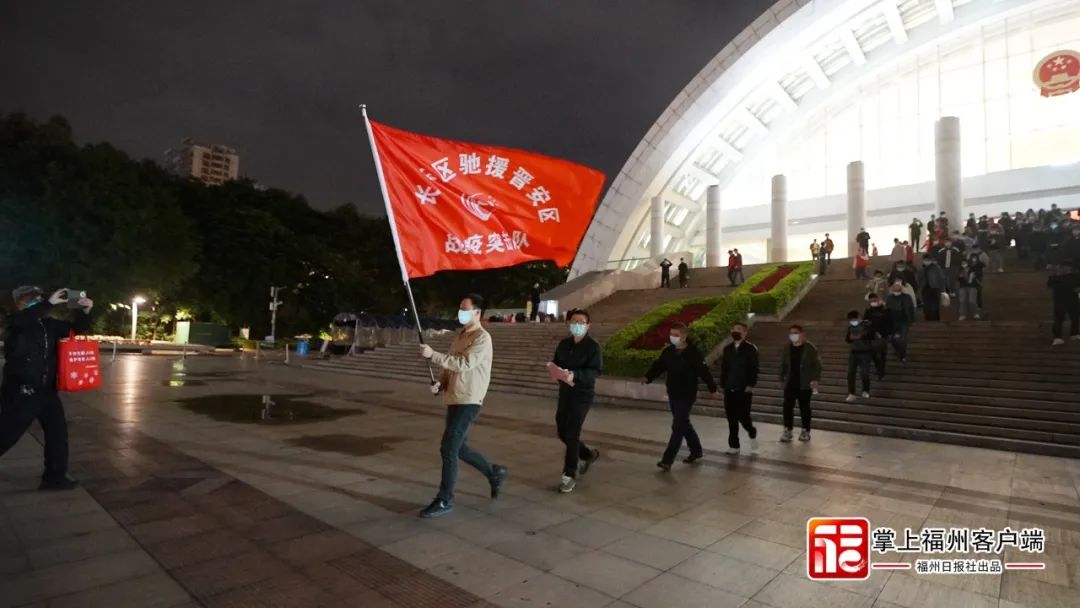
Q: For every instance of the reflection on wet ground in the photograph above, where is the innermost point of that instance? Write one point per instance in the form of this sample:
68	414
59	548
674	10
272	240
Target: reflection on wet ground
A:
263	409
176	382
352	445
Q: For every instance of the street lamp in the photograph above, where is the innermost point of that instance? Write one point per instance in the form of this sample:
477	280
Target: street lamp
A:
135	313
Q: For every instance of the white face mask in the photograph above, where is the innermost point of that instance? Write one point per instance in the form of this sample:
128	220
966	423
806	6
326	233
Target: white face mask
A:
794	338
675	340
465	316
854	322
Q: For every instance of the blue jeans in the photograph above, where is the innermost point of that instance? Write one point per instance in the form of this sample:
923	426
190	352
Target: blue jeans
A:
681	428
455	446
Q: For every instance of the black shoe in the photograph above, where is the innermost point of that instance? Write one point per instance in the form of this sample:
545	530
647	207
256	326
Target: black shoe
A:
437	508
664	466
58	483
498	477
692	458
583	466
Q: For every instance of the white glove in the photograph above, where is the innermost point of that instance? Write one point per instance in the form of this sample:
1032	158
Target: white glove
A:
426	351
435	388
58	297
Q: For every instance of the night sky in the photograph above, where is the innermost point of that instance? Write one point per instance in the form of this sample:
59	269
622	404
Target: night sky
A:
281	81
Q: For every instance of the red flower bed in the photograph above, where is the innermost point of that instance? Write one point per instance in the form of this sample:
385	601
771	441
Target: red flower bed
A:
658	336
770	281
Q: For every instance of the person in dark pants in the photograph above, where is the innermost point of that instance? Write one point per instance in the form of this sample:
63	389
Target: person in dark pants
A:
901	315
915	228
684	273
934	282
739	367
581	358
1065	287
684	365
739	266
878	317
860	335
665	273
827	247
534	299
29	392
800	372
466	374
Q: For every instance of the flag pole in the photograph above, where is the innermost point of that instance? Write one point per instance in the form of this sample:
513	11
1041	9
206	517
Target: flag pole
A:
394	233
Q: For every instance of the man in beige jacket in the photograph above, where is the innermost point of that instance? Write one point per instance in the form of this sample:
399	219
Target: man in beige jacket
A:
464	379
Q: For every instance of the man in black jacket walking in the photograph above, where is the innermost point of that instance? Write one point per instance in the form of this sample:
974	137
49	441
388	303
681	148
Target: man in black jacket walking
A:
29	385
1065	288
878	317
684	365
800	372
582	357
739	369
860	335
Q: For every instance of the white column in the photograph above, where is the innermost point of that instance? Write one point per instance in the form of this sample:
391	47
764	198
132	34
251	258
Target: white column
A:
856	203
778	240
713	259
948	177
656	234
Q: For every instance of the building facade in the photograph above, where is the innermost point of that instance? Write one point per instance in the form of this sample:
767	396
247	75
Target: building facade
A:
212	164
831	115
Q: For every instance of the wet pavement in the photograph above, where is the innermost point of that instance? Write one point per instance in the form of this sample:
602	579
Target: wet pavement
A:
228	482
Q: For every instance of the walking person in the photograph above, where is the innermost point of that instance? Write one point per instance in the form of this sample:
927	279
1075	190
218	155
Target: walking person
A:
933	286
880	321
969	283
731	264
463	381
860	337
800	373
1065	290
739	266
915	229
861	263
684	365
582	358
739	368
665	273
899	252
827	247
877	284
28	391
901	309
534	299
684	273
863	239
815	249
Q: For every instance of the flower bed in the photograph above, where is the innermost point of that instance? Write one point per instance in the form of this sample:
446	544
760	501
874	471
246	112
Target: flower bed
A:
631	350
657	336
770	281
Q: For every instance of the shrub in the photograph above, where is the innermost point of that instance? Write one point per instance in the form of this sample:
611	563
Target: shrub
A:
783	291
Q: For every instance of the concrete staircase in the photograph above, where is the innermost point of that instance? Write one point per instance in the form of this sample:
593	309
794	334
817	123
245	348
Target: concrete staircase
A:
521	352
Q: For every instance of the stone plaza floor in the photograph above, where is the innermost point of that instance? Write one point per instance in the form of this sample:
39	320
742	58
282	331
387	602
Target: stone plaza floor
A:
198	490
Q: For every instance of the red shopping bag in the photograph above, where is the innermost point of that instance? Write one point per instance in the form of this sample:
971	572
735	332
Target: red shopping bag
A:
79	364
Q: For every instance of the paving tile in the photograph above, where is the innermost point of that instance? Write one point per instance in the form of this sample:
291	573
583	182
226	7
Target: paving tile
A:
424	591
287	591
589	532
285	527
431	549
606	573
374	568
541	550
317	547
1025	591
188	550
65	579
911	592
786	591
651	550
484	573
756	551
217	576
167	529
156	590
738	577
549	590
688	533
668	590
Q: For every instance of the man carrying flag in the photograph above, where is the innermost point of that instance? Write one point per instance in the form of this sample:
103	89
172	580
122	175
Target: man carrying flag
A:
460	206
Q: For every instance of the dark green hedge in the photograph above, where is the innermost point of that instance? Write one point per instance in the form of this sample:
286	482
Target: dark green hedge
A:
710	330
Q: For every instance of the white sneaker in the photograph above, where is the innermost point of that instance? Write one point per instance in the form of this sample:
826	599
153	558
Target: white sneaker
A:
865	394
568	484
754	445
961	318
978	317
732	451
785	437
851	398
1057	342
804	436
1076	337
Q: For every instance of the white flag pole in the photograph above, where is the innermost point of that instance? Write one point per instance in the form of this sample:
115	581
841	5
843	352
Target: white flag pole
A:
394	232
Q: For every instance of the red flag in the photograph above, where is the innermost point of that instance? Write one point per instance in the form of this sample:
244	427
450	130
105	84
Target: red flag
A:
461	206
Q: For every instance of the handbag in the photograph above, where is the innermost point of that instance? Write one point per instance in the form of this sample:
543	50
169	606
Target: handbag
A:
945	300
78	367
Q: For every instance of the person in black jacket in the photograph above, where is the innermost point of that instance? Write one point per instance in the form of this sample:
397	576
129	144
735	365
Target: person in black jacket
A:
800	372
878	317
29	392
684	365
582	357
901	315
1065	288
739	369
861	336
